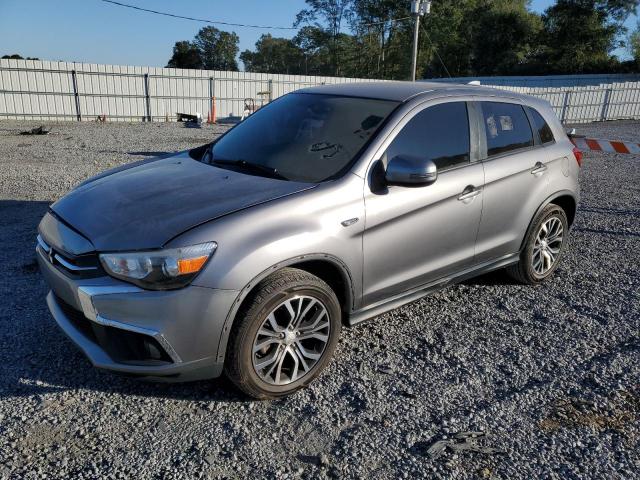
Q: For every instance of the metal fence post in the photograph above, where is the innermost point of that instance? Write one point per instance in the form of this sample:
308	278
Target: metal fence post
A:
147	97
74	82
605	105
565	105
270	90
212	101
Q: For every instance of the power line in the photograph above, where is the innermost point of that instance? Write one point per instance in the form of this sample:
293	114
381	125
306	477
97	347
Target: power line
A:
391	20
203	20
230	24
435	50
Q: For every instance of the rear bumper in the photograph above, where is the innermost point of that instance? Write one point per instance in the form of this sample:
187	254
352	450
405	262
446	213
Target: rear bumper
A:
160	335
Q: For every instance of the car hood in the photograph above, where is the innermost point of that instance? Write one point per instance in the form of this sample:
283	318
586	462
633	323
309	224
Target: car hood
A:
145	206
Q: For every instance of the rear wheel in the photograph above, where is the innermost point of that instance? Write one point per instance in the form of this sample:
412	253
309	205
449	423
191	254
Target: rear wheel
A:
544	246
284	335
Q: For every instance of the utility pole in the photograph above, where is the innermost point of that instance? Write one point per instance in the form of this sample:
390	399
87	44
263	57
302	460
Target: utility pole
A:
418	9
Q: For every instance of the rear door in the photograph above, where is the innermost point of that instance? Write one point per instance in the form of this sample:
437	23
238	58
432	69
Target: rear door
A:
417	234
516	178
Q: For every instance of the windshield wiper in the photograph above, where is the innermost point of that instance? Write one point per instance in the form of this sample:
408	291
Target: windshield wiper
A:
256	167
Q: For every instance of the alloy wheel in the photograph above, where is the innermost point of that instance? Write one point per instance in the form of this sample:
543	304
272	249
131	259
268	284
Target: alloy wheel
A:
291	340
546	248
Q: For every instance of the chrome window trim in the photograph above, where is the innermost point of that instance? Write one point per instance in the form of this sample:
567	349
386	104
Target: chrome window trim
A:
410	112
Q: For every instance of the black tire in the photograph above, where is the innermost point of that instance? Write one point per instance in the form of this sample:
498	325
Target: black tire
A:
284	284
523	271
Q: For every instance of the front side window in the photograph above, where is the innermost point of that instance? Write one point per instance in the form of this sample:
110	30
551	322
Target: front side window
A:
546	135
440	133
506	126
303	137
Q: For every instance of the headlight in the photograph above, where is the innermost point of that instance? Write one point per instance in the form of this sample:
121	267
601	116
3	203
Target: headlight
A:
160	269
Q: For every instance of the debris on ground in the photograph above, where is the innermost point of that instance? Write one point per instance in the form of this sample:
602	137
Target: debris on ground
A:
617	411
190	120
463	441
37	131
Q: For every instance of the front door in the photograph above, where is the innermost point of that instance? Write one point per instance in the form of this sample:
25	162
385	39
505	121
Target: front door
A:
417	234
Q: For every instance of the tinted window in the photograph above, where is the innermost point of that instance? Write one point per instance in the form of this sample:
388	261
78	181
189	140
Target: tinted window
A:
440	133
305	137
539	124
507	127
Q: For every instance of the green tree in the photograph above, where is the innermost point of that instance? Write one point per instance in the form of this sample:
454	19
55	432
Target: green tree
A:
217	49
504	37
274	55
580	35
380	47
185	55
211	49
15	56
328	16
634	44
458	37
313	43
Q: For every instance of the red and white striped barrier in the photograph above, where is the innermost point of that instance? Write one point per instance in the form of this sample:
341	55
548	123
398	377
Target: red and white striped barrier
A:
610	146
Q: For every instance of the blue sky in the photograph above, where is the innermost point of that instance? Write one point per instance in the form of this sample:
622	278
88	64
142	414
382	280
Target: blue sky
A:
97	32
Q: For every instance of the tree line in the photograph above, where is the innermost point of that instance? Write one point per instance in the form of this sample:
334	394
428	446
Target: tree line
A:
362	38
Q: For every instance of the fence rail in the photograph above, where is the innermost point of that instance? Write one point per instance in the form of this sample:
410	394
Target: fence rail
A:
70	91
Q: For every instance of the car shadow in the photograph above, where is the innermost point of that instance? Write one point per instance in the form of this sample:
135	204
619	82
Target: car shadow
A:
36	357
492	279
151	153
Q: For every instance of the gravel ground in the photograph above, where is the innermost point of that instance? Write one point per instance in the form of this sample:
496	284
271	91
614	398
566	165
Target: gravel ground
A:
551	374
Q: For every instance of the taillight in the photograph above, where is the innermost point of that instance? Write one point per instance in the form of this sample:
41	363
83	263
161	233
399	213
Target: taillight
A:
578	154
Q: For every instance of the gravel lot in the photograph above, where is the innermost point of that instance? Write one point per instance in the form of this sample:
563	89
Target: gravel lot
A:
551	374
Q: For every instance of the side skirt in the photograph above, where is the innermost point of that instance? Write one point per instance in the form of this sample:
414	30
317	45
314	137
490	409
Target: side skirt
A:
384	306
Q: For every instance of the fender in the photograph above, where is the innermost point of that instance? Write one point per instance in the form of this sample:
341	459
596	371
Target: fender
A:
547	201
242	295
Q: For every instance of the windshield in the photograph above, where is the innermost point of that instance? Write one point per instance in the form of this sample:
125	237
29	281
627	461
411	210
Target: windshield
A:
302	137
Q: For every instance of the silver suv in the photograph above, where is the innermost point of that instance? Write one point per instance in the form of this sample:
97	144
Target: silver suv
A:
332	204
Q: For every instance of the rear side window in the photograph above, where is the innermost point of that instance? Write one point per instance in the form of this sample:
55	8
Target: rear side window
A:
440	133
546	135
506	126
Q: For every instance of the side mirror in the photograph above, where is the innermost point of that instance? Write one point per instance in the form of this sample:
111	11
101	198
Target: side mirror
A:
408	170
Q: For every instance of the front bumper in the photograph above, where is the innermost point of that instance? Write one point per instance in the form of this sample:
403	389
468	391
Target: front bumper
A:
164	335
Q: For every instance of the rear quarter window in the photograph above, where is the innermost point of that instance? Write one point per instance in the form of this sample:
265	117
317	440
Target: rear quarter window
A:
506	126
544	131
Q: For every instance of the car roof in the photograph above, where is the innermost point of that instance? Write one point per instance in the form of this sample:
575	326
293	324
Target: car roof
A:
403	91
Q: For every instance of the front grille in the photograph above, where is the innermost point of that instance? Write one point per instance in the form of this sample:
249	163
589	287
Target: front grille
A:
121	345
77	267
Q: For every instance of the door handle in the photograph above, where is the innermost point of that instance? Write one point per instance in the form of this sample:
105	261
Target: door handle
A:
538	169
469	193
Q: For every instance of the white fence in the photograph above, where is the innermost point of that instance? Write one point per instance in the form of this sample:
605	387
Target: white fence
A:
82	91
31	89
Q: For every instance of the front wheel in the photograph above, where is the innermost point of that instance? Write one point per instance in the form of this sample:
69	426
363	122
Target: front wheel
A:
544	246
284	335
